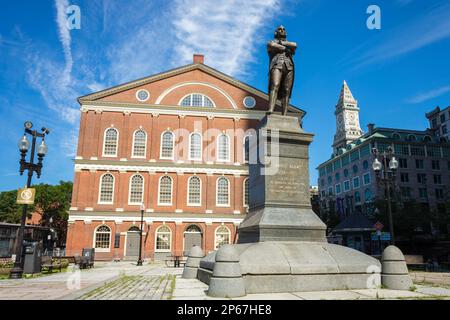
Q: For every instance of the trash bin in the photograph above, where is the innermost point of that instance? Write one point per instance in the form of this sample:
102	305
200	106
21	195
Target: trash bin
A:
88	255
33	257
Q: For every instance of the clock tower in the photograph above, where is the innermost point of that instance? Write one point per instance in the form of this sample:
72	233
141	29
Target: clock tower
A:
347	119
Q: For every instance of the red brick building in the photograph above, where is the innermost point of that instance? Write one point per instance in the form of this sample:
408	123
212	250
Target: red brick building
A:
174	142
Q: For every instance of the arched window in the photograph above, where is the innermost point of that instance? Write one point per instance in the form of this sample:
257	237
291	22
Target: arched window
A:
355	168
167	145
193	229
246	149
195	146
102	238
223	148
110	142
395	136
427	139
246	192
222	237
194	191
196	100
106	189
412	137
136	189
165	191
365	165
223	192
163	241
139	144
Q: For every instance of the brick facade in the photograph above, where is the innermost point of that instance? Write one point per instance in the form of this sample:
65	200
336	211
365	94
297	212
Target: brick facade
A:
120	108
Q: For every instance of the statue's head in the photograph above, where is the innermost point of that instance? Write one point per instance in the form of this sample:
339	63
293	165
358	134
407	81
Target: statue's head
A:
280	33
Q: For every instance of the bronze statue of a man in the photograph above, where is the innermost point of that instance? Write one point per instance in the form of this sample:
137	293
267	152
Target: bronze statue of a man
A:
281	70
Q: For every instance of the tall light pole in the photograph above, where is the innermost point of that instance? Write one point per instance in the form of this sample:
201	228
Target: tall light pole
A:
32	167
139	262
382	169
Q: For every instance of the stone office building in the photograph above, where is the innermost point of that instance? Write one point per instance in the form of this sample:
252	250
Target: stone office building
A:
175	142
440	122
347	183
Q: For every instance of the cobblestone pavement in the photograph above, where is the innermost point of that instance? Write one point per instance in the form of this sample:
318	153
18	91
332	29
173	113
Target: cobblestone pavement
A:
76	283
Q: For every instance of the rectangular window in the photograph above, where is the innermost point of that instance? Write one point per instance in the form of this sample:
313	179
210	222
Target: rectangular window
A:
417	151
329	168
324	193
322	171
404	177
423	193
338	188
437	179
354	156
434	123
442	118
356	183
422	178
435	165
345	160
434	152
439	194
364	151
337	164
446	152
366	179
405	191
403	163
401	149
382	146
330	191
419	164
444	129
346	185
117	240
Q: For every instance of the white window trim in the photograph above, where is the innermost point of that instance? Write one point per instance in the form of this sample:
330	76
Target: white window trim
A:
161	145
95	237
215	235
159	192
243	149
189	188
129	191
156	237
145	145
217	148
349	184
100	189
137	96
104	140
217	193
201	146
245	205
353	183
203	100
370	179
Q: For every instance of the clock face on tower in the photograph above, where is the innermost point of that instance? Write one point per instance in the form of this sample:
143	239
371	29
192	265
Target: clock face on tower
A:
352	116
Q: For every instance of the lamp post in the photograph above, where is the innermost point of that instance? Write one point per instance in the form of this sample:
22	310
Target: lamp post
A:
139	262
24	145
382	169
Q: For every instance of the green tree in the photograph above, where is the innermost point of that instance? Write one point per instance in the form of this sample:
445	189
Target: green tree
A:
52	201
10	211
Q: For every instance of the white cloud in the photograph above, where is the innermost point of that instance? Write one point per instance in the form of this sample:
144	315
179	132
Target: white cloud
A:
64	36
430	27
226	31
424	96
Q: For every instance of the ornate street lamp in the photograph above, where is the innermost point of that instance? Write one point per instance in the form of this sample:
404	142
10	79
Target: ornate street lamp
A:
139	262
24	145
386	174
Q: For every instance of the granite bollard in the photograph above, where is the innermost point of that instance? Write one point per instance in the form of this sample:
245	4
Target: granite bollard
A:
193	261
394	272
226	280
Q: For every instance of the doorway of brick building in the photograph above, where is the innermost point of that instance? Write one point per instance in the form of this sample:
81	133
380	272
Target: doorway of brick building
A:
193	236
132	244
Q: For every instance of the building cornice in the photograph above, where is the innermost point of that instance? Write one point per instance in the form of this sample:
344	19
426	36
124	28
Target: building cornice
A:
138	166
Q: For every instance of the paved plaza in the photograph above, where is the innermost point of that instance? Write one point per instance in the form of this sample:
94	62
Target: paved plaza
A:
155	281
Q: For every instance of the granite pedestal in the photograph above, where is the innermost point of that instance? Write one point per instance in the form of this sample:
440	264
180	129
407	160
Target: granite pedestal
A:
282	245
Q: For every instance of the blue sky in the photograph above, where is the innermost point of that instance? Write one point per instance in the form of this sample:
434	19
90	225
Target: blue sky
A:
397	73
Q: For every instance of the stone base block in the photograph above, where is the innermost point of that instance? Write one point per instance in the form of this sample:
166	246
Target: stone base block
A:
226	287
299	266
396	282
